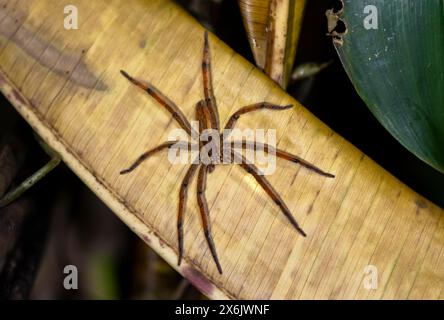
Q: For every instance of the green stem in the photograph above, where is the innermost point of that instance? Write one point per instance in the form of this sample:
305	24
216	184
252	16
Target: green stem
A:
29	182
35	177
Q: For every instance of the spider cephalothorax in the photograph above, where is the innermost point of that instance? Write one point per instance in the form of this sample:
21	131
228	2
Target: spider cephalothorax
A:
208	117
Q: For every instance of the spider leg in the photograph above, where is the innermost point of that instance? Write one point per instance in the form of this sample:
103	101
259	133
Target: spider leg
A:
204	211
183	195
282	154
253	107
163	100
210	100
203	115
150	152
269	189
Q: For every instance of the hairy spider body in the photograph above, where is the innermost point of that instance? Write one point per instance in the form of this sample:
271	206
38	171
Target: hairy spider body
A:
207	115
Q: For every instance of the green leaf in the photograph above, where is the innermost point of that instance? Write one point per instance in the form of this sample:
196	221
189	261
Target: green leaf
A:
397	68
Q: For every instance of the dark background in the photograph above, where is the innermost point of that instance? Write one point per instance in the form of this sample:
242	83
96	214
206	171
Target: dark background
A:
61	222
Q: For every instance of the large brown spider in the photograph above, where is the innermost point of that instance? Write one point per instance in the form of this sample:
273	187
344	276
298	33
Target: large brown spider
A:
208	116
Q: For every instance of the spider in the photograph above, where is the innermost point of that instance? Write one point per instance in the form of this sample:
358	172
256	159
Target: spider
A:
208	117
